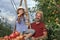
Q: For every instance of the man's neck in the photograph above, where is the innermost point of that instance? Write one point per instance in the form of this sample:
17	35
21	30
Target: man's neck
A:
37	22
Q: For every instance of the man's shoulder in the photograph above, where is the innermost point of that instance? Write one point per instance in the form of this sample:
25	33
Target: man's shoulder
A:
33	23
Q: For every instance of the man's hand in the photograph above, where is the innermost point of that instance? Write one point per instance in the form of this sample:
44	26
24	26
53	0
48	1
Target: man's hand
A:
45	35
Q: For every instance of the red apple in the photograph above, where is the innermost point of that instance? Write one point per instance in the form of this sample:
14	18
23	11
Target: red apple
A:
13	35
17	33
6	37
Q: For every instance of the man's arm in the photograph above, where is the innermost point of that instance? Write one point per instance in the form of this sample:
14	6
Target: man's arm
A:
44	31
44	34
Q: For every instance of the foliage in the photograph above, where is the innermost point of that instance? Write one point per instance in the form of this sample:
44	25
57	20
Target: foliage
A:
5	29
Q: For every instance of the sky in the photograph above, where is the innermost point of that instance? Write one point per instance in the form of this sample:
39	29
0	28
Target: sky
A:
6	4
7	10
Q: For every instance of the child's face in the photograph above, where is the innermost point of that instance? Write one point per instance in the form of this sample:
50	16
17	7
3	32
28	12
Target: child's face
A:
21	11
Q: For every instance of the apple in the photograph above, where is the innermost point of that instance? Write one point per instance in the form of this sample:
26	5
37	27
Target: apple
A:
13	35
6	37
17	33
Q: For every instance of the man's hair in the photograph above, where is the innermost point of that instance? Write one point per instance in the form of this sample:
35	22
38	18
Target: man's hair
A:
40	12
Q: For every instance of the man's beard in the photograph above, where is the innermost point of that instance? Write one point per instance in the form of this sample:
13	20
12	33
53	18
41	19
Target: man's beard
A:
37	20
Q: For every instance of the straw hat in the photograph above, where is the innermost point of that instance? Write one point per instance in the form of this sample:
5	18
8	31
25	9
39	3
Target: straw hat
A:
20	8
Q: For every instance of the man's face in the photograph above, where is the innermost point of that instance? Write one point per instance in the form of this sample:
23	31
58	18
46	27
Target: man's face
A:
38	17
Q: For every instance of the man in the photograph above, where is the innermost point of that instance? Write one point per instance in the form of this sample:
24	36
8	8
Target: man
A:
20	24
39	27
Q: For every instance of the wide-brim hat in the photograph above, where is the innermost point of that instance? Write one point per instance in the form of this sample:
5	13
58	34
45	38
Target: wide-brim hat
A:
20	8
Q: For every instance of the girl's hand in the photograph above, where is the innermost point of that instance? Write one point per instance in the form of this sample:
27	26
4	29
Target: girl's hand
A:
19	14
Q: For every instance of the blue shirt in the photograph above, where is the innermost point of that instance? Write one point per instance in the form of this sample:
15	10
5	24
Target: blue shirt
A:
21	27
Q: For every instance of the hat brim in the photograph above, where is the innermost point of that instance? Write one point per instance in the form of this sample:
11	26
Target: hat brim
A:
20	8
